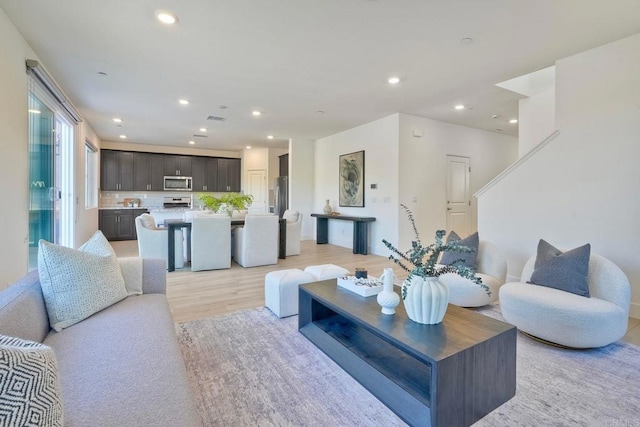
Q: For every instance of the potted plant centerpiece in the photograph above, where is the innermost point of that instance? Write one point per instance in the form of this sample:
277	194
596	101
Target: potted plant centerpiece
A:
226	203
425	297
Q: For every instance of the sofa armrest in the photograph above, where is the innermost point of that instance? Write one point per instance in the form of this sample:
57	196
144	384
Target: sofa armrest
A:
154	276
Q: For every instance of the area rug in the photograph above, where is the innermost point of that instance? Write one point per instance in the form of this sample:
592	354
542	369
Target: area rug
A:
251	368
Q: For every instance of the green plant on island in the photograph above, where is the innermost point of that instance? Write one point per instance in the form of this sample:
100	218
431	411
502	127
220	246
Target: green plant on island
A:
227	202
422	261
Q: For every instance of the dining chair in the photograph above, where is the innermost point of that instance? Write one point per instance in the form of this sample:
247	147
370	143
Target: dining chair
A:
256	243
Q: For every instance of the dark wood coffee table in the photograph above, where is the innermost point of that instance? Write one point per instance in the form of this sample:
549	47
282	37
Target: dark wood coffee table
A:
450	374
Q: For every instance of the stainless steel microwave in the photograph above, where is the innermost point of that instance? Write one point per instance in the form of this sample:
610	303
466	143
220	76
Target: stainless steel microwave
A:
178	183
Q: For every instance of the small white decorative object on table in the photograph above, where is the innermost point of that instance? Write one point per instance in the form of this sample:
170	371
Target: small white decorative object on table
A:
387	298
365	287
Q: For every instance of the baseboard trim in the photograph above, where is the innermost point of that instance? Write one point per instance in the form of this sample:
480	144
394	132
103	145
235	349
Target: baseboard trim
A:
634	310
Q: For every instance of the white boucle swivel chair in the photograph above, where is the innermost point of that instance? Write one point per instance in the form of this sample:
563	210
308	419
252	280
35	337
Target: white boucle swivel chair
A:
568	319
153	242
294	228
492	269
256	243
210	242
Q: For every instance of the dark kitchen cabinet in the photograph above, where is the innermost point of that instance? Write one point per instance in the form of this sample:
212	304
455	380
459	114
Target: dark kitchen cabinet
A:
177	165
116	170
228	175
119	224
148	172
205	173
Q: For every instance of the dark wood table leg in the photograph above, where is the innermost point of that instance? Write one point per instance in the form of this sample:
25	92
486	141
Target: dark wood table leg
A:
360	238
171	253
322	231
282	240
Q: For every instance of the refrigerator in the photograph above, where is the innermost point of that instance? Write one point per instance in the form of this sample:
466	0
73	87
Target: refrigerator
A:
281	195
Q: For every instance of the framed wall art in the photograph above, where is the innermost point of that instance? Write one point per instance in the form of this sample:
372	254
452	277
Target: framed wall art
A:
351	171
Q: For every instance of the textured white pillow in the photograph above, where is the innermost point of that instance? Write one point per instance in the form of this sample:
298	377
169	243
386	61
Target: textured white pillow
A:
78	283
30	388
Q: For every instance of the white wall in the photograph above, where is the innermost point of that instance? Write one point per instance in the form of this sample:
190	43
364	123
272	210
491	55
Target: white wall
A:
14	161
536	120
379	140
301	184
86	220
422	171
583	186
14	158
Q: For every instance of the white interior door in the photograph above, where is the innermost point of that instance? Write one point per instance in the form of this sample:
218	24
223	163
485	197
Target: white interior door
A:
458	195
257	187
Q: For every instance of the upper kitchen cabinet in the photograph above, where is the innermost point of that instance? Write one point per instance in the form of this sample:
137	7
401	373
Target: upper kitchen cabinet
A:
116	170
175	165
228	175
205	174
149	172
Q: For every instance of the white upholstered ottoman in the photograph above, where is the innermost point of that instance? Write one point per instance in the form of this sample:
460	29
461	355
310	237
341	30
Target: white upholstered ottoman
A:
281	290
326	271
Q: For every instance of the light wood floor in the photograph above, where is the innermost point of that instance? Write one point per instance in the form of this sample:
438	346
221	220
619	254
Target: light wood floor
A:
202	294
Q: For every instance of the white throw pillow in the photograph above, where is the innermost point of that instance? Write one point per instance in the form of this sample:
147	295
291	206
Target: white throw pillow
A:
30	387
78	283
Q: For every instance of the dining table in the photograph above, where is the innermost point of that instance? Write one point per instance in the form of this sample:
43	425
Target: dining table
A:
178	224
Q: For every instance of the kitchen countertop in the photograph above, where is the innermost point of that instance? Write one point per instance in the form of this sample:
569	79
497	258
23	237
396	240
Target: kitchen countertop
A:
124	207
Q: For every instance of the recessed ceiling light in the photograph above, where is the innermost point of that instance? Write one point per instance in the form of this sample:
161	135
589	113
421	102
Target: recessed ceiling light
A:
319	112
117	120
223	107
192	142
495	116
248	147
203	129
166	17
269	136
459	107
513	121
394	80
123	136
183	102
102	73
466	40
256	113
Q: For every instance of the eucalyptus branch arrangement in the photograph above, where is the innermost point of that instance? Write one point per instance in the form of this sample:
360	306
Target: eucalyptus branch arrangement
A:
422	261
227	202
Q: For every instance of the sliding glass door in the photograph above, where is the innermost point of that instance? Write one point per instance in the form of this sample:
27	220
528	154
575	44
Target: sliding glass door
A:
41	176
51	148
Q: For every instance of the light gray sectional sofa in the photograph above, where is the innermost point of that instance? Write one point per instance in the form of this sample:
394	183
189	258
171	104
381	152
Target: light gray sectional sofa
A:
119	367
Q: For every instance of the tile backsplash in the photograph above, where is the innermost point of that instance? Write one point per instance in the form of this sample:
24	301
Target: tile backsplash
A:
148	200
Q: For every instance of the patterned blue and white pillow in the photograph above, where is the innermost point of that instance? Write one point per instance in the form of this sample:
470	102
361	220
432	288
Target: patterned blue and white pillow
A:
29	384
78	283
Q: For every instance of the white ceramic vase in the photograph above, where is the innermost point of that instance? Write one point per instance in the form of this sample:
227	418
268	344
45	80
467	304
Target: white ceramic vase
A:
426	299
327	208
388	299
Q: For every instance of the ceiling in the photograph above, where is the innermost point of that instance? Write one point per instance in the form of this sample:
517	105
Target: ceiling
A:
312	67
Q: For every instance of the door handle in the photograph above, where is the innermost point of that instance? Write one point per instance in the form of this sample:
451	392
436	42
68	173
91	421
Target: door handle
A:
448	209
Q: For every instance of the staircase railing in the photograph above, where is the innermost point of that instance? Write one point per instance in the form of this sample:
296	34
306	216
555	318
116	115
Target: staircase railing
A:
515	165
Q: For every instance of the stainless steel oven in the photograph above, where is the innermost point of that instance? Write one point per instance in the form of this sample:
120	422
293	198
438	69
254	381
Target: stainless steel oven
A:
178	183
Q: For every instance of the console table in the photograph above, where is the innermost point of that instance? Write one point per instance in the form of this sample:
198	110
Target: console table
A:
449	374
360	230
